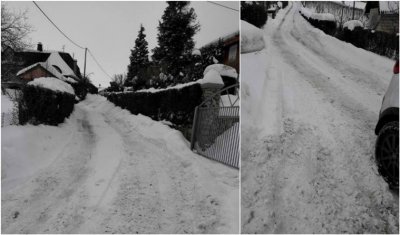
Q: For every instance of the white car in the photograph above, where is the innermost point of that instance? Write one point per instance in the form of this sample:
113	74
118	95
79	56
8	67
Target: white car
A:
387	129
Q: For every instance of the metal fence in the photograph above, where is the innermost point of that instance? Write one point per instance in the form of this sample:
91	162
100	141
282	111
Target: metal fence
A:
215	132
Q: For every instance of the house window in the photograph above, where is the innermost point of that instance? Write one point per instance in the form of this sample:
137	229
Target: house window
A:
232	53
57	68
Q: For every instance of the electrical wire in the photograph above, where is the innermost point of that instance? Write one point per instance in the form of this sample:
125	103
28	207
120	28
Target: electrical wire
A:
57	27
90	53
223	6
98	64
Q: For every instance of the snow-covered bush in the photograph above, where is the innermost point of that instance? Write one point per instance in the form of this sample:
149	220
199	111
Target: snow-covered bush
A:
228	74
352	24
251	38
46	101
174	105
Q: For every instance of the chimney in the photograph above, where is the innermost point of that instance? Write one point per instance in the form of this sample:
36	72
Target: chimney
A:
75	67
39	46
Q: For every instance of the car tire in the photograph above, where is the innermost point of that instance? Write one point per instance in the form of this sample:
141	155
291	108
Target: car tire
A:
387	153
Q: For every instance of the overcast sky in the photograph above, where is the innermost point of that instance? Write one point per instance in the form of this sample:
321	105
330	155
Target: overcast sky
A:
109	29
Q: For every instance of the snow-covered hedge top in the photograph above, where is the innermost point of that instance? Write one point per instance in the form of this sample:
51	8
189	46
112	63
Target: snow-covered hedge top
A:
212	76
53	84
352	24
317	16
224	70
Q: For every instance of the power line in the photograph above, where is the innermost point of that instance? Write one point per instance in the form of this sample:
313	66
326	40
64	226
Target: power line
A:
98	64
223	6
90	53
56	26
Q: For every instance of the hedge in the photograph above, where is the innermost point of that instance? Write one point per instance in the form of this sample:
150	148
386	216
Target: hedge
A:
328	27
174	105
381	43
43	106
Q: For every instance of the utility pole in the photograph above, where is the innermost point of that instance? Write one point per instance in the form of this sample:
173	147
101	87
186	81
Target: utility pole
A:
84	68
354	5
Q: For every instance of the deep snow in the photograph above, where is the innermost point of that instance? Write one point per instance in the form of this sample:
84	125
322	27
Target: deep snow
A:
107	171
309	107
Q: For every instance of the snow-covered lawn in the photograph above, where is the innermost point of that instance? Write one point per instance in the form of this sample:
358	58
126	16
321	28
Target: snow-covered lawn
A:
310	104
107	171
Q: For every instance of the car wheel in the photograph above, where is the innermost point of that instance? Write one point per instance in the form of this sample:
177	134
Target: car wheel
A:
387	153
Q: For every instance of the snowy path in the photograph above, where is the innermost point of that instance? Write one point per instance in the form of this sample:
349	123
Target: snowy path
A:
311	103
120	173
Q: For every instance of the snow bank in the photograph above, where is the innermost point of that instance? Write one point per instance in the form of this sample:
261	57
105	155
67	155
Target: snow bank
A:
223	70
6	104
213	77
53	84
27	149
352	24
251	38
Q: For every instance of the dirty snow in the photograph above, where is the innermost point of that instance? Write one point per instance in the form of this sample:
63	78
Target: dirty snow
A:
251	38
107	171
53	84
308	118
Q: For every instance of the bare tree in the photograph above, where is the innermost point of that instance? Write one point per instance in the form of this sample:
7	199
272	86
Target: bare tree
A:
119	79
14	28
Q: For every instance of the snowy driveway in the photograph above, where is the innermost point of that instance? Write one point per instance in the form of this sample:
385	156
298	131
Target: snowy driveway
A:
310	105
107	171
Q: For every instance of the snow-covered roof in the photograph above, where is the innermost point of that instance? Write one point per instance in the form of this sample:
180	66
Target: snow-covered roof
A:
52	64
224	38
223	70
55	59
351	24
53	84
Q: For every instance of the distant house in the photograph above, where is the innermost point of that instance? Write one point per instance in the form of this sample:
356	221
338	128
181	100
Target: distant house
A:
231	49
383	16
24	66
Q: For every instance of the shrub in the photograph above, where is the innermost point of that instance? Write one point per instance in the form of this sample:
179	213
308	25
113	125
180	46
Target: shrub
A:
43	106
254	13
174	105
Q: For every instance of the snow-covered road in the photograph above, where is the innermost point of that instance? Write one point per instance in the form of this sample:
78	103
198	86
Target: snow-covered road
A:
107	171
310	104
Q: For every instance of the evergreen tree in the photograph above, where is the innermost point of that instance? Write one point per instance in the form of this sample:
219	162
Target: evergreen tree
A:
175	39
139	59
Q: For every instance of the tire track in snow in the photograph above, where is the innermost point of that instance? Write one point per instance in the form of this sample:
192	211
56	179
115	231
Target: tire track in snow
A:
338	192
363	138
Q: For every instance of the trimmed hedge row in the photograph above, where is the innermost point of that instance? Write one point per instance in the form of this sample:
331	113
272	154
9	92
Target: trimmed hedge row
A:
43	106
174	105
328	27
381	43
